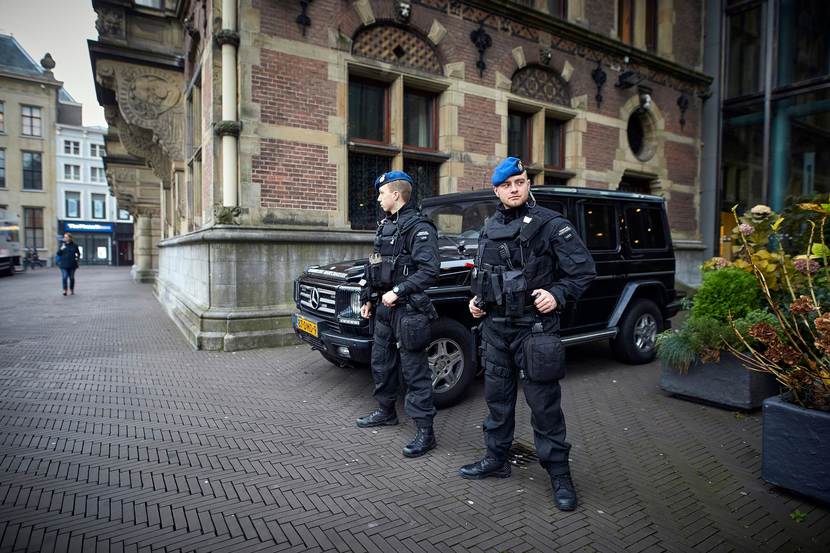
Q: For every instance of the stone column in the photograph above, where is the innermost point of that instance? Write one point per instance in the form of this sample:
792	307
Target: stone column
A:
144	269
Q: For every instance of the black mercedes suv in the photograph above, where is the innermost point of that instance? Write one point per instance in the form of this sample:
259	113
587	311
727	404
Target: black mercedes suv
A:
628	303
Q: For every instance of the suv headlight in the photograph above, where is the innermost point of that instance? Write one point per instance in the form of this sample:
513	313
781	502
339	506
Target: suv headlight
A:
350	312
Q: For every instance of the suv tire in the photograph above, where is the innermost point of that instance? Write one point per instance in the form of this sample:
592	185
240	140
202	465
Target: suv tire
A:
450	355
637	332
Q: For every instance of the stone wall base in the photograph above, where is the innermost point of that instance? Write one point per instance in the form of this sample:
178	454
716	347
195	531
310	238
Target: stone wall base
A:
222	330
143	275
230	288
689	256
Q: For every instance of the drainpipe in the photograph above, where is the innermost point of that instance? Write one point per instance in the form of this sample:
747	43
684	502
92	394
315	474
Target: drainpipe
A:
228	128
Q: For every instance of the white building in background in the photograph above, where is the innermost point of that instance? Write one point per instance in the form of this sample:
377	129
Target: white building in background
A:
85	207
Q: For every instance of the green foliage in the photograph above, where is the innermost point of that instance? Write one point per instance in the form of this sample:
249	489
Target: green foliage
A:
798	516
704	338
707	334
675	349
698	337
725	292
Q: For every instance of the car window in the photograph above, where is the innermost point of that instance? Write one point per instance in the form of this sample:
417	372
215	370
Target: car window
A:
462	219
554	205
600	230
645	228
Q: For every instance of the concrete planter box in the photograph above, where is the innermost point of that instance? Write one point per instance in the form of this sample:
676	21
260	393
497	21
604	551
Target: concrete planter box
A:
725	383
795	445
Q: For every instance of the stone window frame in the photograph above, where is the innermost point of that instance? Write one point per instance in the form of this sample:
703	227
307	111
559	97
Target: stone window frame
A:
194	137
397	80
31	114
32	172
381	81
540	113
544	7
30	225
660	26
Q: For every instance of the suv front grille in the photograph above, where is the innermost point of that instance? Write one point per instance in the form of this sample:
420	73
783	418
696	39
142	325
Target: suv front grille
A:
318	299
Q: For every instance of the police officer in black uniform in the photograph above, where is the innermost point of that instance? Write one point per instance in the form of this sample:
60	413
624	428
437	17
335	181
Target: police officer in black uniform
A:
403	264
530	262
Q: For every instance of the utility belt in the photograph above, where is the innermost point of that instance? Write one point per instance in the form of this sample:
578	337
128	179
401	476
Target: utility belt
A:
502	311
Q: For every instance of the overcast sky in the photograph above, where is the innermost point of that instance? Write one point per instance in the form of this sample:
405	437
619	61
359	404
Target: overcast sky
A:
60	27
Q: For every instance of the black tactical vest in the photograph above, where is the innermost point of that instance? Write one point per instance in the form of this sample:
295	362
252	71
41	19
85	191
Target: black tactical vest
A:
513	260
391	260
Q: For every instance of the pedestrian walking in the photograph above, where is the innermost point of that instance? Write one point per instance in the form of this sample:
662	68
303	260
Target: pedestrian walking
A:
67	259
403	265
530	263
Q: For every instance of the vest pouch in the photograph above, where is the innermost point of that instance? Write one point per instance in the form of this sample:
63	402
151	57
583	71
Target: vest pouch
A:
544	357
422	304
515	292
414	330
374	273
387	271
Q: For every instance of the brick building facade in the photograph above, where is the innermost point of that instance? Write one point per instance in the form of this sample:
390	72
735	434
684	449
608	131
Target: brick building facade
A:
264	123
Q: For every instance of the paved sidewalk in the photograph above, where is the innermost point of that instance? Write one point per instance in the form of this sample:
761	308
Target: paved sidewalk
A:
116	436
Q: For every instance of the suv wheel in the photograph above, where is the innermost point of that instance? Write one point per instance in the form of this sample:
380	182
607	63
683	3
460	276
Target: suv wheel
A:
637	333
451	361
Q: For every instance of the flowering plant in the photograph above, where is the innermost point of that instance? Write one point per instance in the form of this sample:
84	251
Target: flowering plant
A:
795	347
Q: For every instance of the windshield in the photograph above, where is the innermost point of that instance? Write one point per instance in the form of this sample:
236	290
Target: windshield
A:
460	221
9	233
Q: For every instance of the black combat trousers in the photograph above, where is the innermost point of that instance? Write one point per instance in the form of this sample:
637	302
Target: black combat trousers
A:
391	357
503	361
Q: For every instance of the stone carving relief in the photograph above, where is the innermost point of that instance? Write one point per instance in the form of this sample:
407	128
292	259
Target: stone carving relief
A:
152	95
148	98
140	142
110	23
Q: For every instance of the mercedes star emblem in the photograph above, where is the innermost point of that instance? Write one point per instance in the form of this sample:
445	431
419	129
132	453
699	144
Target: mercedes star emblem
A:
315	298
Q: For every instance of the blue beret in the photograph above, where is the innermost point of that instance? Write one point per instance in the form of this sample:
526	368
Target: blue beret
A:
392	176
506	169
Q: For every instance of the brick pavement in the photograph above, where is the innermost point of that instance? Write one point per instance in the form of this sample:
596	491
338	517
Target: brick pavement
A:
116	436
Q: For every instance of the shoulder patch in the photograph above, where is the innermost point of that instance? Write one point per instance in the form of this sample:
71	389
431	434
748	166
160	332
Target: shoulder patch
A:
564	230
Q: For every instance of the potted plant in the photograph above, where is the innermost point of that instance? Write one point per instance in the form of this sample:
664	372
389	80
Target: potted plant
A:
795	349
695	358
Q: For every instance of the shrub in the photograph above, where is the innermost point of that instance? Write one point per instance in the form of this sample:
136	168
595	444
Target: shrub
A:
675	349
698	337
724	293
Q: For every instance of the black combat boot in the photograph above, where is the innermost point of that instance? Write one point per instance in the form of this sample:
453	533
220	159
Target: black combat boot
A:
424	441
379	417
487	467
564	494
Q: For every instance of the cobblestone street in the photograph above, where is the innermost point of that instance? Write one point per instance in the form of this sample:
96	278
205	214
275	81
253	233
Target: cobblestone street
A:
115	435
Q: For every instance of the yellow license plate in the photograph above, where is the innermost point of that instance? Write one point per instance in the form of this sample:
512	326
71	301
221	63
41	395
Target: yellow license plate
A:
307	326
